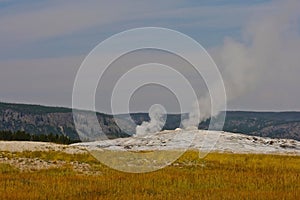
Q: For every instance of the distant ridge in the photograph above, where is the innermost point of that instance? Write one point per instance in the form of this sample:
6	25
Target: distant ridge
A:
33	108
39	119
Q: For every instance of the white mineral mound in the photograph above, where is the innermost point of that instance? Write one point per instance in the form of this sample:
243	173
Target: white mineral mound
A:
198	139
20	146
171	140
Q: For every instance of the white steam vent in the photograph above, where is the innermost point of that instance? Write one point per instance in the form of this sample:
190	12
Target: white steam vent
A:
158	116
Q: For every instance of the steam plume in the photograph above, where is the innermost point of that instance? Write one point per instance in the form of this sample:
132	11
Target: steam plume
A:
156	123
270	42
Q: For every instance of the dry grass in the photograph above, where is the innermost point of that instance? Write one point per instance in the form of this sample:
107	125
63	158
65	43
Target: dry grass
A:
218	176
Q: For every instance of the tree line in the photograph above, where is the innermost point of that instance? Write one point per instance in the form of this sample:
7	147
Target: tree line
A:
23	136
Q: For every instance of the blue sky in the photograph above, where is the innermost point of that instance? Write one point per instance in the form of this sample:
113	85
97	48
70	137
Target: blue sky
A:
42	43
29	23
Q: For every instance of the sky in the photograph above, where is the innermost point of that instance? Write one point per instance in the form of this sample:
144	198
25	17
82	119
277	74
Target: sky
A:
255	44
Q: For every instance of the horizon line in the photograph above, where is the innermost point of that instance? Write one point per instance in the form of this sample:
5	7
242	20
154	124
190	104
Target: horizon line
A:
140	112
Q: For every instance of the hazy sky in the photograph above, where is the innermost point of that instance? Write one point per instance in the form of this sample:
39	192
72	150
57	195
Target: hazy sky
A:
43	42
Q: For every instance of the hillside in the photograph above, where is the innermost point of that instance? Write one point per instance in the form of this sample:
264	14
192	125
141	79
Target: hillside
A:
36	119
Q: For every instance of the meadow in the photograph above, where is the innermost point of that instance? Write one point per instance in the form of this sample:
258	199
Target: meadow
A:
217	176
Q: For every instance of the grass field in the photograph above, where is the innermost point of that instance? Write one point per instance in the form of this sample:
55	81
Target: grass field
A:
217	176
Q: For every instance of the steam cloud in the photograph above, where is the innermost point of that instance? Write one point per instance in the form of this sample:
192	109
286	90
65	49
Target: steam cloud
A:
156	123
270	41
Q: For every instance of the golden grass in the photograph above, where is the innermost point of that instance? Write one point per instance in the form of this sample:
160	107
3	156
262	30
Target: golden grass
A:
217	176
